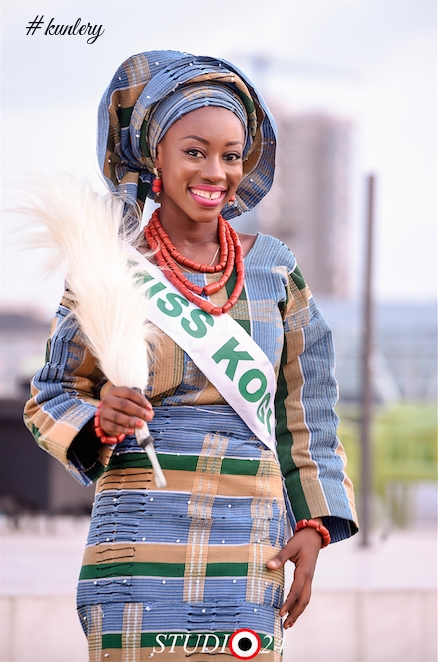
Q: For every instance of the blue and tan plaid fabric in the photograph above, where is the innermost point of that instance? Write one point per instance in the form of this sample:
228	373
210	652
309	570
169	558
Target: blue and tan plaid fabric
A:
190	559
187	99
147	79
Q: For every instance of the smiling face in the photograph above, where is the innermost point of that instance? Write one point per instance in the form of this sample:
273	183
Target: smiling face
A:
201	162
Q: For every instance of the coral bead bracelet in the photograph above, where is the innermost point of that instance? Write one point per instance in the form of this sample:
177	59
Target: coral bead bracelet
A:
313	524
100	434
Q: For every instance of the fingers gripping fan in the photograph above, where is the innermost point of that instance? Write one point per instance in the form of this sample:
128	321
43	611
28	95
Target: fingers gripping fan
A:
84	232
245	644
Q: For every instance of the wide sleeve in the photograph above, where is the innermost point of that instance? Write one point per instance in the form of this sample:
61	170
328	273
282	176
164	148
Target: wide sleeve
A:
64	397
311	456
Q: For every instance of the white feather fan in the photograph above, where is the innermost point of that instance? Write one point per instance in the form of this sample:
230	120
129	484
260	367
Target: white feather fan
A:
84	232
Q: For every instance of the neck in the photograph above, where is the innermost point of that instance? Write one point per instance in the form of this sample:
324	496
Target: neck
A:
188	236
170	259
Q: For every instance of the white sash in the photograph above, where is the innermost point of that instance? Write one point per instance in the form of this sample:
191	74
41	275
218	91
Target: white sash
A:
219	346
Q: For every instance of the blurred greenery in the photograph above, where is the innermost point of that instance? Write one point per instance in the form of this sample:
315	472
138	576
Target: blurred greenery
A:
404	453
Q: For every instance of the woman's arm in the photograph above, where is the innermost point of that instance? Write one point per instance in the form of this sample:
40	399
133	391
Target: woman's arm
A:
65	394
64	397
311	457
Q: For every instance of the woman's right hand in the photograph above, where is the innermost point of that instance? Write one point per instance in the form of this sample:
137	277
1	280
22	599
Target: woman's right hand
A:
123	410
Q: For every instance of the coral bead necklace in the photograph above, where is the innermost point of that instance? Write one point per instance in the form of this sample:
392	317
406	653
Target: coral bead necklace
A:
168	258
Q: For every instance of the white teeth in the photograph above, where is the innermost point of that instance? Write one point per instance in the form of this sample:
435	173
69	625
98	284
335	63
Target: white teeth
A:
206	194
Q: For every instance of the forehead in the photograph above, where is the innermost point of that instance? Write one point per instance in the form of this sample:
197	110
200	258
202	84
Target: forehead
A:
208	121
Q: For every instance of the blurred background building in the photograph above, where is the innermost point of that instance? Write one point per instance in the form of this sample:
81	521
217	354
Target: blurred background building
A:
308	206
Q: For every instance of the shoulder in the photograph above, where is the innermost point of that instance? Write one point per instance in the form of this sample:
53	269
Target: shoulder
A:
270	251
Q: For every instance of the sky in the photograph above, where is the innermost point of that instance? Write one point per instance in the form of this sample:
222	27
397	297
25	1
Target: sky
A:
373	62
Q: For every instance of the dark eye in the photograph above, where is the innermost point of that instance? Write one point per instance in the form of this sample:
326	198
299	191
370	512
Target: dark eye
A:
232	157
194	152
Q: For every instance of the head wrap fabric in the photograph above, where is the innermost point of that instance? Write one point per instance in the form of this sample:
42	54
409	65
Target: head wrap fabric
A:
183	101
137	109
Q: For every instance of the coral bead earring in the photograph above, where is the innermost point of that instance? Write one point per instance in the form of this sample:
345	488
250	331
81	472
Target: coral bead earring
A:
157	185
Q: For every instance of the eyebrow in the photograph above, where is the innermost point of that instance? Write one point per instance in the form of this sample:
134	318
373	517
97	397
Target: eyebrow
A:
206	142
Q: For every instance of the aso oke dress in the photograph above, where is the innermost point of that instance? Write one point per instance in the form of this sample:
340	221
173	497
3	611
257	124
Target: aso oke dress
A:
173	573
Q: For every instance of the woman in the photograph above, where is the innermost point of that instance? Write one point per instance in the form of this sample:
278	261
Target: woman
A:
176	572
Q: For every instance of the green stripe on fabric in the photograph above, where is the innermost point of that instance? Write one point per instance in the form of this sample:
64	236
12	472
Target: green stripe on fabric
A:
230	284
233	467
226	570
115	640
284	449
34	430
95	472
124	115
246	100
298	278
141	461
106	570
229	287
230	466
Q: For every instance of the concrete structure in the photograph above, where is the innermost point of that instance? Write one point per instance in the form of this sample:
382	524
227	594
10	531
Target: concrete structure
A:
34	480
369	605
308	207
23	338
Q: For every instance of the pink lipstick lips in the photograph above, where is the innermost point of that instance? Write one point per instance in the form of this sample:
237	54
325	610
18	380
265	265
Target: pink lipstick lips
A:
207	196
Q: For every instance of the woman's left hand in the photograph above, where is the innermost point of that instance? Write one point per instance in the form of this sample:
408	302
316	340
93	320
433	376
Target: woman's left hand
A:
302	549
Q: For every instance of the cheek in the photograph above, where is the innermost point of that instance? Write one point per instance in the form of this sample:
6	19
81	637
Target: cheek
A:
237	176
172	171
178	169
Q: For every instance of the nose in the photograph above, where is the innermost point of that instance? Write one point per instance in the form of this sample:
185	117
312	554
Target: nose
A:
213	169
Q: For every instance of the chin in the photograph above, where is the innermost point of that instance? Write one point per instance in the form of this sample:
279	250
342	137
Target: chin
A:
205	215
